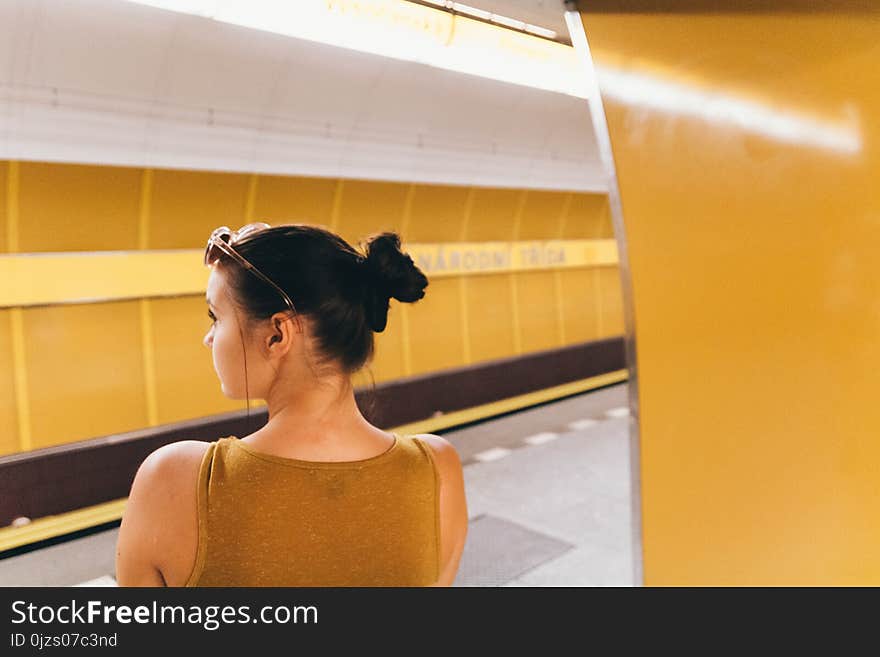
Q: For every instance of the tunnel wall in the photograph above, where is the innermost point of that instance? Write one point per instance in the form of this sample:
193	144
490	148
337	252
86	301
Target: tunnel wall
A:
73	371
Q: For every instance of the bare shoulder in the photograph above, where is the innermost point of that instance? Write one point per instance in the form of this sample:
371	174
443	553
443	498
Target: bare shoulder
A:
156	542
175	457
171	464
443	451
167	478
451	474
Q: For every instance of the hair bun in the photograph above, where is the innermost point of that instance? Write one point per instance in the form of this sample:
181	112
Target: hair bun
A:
391	274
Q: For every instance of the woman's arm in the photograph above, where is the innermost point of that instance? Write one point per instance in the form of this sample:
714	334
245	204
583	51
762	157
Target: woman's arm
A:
453	506
158	538
140	535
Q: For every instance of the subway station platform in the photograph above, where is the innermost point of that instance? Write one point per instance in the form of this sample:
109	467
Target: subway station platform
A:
548	492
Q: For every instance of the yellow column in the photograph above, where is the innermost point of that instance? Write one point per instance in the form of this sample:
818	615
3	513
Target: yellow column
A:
463	283
746	147
407	211
598	291
19	366
251	198
146	310
12	184
405	339
337	205
514	292
557	274
16	317
404	310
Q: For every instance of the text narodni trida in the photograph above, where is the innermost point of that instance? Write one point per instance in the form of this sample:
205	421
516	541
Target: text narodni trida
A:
445	258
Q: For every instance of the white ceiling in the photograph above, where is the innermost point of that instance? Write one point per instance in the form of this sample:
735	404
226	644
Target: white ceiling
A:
104	81
543	13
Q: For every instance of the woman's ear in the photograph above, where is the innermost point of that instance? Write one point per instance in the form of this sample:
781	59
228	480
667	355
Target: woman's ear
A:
282	332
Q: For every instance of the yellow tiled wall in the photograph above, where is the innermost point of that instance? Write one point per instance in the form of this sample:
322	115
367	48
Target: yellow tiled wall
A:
289	200
435	334
185	206
488	301
366	207
77	208
438	213
536	301
84	370
493	215
104	368
4	182
9	432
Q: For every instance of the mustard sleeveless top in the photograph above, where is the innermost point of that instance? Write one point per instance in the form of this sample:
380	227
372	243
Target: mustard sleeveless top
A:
264	520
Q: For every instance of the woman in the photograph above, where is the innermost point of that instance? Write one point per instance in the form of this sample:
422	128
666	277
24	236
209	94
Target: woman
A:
318	496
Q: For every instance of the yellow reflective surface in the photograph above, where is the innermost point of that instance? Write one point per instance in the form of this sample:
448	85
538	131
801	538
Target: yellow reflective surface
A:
747	148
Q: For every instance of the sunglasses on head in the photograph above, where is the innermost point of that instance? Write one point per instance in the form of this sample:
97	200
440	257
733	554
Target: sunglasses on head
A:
223	239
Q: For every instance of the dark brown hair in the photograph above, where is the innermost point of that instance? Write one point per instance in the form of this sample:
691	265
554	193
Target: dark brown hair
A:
343	292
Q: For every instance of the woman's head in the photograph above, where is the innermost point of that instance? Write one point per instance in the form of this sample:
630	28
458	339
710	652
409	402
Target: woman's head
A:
341	298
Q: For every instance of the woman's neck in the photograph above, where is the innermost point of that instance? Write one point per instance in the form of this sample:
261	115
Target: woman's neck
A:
320	412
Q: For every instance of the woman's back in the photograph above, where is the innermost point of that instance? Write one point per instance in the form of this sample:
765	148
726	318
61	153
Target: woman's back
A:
265	520
249	512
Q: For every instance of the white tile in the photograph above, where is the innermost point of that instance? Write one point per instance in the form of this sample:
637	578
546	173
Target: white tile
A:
620	411
104	580
580	425
541	438
492	454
